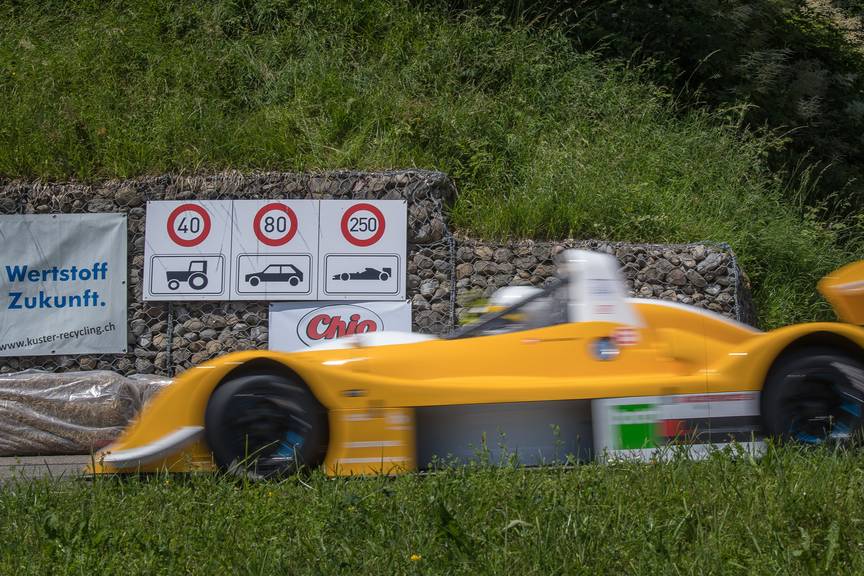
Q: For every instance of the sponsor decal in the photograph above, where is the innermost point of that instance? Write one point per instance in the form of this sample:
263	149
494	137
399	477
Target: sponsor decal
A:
626	336
331	322
605	349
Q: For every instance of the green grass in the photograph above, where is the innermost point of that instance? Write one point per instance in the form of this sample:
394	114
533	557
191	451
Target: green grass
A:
791	512
541	140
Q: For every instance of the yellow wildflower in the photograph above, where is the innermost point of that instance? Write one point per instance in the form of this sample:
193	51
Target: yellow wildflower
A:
415	557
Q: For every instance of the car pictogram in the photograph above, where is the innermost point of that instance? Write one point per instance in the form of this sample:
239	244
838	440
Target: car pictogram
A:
276	273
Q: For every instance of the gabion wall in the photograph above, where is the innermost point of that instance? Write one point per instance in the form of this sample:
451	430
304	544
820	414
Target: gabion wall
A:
703	275
167	337
445	274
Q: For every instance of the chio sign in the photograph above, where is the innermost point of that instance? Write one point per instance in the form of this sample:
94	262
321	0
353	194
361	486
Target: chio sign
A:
332	322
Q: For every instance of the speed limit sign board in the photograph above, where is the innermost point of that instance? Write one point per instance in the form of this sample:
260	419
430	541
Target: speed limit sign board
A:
274	249
362	249
186	249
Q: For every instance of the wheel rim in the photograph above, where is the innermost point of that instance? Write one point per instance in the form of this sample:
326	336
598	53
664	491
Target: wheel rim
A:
269	429
822	407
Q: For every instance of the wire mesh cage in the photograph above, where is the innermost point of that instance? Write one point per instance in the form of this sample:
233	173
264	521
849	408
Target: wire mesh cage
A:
445	274
166	337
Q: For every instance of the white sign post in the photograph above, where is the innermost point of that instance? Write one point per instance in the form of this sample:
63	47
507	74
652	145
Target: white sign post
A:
186	250
274	249
62	284
297	326
362	249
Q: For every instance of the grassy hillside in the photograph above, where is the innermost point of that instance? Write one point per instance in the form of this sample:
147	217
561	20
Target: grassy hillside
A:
542	140
777	515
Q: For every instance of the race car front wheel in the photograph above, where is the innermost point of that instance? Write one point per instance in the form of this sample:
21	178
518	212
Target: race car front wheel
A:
265	425
814	396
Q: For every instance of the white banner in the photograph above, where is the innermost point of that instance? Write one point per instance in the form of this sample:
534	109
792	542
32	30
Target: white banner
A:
296	326
62	284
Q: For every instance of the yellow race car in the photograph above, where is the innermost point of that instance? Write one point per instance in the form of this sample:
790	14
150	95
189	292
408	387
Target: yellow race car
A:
573	369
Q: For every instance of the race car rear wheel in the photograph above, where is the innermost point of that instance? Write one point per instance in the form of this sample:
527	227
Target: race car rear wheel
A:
265	425
815	396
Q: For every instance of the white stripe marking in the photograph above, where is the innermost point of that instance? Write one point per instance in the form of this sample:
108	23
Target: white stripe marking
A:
374	444
382	460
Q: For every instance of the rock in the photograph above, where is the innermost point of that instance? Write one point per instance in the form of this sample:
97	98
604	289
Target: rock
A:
712	290
428	287
419	303
724	298
138	327
208	334
663	266
483	252
464	254
87	363
652	274
127	196
696	279
525	262
215	321
503	255
464	270
542	252
669	295
422	261
193	325
144	366
677	277
710	263
485	267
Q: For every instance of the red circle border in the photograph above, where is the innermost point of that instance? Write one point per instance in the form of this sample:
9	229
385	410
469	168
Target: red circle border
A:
205	216
372	239
256	224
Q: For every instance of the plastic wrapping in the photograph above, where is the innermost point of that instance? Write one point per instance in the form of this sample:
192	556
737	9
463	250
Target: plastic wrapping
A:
68	413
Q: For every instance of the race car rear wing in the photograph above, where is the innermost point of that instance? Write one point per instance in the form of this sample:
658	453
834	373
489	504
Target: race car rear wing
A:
844	289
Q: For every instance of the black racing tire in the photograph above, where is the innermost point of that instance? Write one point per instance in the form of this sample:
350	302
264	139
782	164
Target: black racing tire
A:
344	276
383	276
814	396
265	425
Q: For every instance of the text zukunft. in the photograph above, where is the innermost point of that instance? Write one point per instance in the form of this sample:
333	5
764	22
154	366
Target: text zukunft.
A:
24	274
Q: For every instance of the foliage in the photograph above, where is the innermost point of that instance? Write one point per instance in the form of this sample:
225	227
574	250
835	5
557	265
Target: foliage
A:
542	140
726	515
797	66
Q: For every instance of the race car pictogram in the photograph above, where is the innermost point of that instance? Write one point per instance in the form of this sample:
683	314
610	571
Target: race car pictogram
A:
366	274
